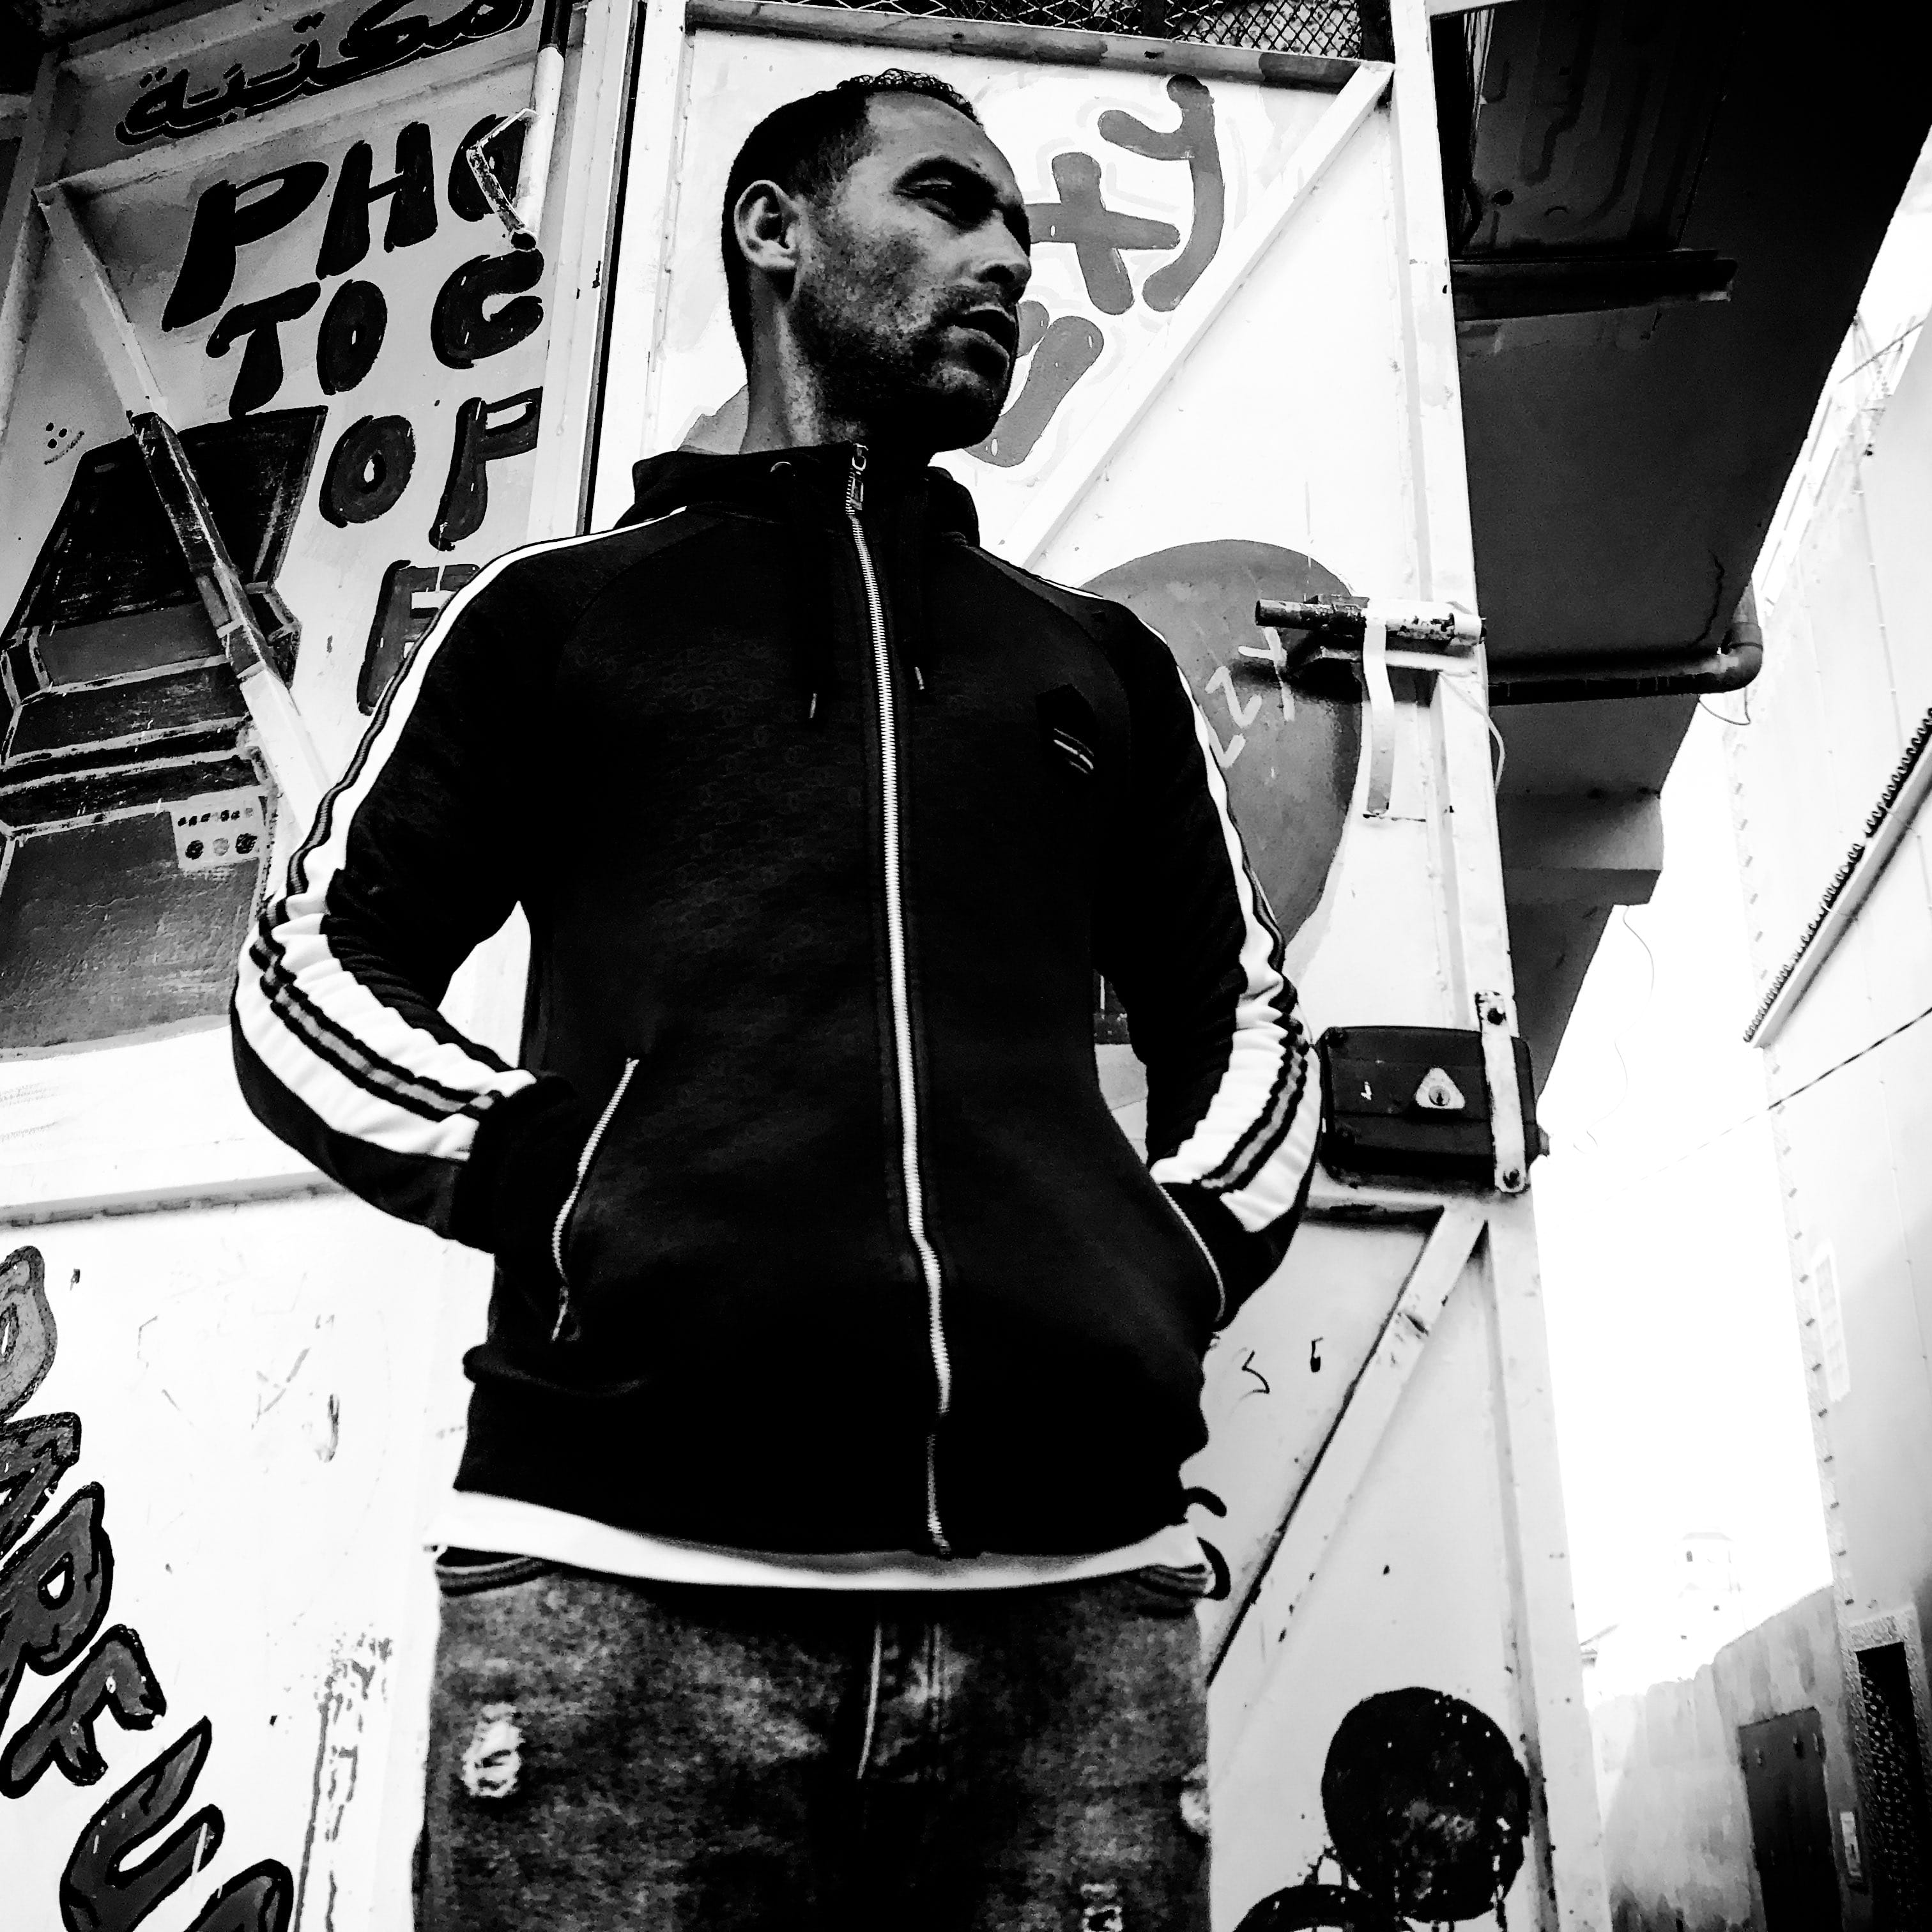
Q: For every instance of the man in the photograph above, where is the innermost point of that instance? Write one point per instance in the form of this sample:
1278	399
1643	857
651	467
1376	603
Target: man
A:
817	1558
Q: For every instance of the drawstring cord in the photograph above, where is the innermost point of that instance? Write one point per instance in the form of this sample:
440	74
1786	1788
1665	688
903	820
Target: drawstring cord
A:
872	1695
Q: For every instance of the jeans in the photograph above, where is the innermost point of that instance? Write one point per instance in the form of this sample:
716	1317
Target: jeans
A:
613	1756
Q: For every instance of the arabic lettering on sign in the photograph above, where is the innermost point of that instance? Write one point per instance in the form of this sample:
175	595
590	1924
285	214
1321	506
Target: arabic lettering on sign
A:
171	104
485	307
1058	350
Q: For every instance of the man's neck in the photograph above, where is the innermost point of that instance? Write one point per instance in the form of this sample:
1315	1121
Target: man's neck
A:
786	408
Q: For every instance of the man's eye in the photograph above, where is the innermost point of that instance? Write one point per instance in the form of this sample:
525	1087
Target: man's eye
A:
949	201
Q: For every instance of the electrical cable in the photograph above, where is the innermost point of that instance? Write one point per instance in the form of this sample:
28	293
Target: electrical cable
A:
1764	1113
1483	712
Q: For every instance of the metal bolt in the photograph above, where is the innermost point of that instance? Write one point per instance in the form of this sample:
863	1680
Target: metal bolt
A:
1512	1176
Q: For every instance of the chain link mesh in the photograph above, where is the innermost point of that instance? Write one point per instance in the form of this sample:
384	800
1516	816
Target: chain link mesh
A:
1331	27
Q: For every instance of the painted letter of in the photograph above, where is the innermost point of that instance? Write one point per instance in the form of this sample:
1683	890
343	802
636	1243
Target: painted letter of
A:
480	443
368	469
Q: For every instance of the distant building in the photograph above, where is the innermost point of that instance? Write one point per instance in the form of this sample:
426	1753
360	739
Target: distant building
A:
1830	765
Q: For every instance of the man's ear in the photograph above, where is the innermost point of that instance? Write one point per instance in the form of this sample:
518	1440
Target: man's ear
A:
766	221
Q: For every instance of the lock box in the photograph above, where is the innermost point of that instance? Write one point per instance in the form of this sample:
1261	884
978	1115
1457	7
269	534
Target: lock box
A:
1414	1102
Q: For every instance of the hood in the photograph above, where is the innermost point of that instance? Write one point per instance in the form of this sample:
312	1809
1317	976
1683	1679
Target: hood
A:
683	479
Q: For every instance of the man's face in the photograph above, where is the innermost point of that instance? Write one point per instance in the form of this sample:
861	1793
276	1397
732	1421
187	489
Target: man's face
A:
911	271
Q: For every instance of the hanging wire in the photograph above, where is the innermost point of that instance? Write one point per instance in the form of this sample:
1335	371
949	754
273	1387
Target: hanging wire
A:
1724	718
1764	1113
1482	711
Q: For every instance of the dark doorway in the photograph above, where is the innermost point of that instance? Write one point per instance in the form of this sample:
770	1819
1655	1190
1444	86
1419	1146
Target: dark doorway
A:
1791	1822
1895	1783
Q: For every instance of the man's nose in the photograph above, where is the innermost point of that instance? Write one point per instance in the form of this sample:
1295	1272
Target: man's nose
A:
1008	266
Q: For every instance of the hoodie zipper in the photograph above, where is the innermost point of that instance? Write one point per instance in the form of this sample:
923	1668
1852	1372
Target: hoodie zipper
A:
895	963
560	1227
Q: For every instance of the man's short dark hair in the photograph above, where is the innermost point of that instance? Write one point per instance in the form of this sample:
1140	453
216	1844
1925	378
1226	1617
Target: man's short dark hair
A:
806	146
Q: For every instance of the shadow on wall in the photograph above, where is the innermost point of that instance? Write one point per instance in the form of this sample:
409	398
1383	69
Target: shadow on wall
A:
1672	1766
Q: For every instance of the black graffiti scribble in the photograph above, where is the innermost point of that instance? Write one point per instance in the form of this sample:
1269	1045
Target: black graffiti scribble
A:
115	1676
34	1456
372	44
368	469
1096	233
102	1889
480	442
1223	1586
54	1592
1248	1368
351	336
260	375
27	1331
227	218
1062	352
1426	1803
261	1899
1193	141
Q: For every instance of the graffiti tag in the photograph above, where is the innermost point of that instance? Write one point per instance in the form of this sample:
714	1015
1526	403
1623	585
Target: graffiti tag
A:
1060	349
54	1593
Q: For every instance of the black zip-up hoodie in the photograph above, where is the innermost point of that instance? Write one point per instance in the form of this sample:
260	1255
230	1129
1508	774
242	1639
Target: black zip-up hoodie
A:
813	1230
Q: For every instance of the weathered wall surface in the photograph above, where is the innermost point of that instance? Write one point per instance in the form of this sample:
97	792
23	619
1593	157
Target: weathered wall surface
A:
1677	1834
1847	681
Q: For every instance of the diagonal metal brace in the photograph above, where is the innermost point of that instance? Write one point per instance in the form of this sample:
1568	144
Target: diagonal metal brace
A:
292	759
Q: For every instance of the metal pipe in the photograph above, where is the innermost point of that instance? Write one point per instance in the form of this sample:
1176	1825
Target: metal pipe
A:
521	206
1694	671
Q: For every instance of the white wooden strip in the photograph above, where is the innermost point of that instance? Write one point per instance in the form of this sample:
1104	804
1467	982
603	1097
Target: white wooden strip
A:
1322	1503
70	251
1059	493
20	233
650	203
1566	1830
581	247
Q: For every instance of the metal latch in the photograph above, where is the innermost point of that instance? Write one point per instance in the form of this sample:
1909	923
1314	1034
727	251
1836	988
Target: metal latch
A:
1356	632
1435	1105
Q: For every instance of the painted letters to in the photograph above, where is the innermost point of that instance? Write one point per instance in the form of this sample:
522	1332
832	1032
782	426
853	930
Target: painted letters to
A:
55	1586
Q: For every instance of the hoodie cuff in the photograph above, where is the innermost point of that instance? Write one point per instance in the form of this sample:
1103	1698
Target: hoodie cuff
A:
522	1166
1245	1260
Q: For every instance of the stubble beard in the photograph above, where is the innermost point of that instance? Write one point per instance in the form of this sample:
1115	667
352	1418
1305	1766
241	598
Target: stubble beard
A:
875	346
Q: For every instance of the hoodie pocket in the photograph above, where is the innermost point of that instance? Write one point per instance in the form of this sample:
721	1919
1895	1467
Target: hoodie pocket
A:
566	1329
